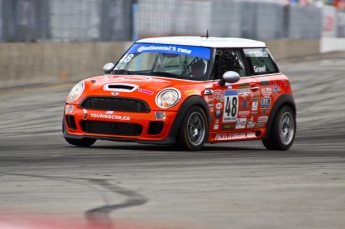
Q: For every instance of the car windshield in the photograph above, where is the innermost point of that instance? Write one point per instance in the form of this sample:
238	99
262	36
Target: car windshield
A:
174	61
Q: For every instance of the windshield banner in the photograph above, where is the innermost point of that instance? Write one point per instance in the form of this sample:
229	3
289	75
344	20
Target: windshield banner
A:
172	49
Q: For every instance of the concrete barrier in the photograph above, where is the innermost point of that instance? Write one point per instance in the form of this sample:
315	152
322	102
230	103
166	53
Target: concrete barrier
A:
53	63
24	64
286	48
332	44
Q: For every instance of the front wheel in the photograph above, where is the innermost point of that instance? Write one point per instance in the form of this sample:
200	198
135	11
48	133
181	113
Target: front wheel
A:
85	142
283	130
193	131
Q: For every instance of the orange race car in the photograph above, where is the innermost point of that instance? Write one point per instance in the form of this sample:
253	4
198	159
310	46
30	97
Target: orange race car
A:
185	91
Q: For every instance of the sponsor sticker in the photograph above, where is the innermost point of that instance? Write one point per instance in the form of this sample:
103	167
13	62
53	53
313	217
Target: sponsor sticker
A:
243	113
228	126
215	127
260	125
258	53
255	96
265	103
143	78
262	118
219	106
243	85
276	88
266	91
244	91
192	92
264	82
218	95
232	136
110	116
250	124
244	104
69	109
218	113
255	106
241	123
263	112
145	91
208	92
259	69
171	49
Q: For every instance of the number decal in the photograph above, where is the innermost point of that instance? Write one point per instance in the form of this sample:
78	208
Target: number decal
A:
126	58
230	106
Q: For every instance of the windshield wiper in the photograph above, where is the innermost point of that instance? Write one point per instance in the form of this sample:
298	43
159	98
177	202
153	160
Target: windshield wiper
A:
166	74
123	72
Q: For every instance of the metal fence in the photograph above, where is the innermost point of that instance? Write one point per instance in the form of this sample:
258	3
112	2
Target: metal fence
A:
65	20
125	20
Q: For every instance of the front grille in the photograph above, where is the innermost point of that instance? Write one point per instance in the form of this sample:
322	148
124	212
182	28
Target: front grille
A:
115	104
112	128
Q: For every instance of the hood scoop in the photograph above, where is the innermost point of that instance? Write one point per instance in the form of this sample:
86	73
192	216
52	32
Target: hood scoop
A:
120	87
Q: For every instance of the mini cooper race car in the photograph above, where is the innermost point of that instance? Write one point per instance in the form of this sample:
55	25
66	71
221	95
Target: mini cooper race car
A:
185	91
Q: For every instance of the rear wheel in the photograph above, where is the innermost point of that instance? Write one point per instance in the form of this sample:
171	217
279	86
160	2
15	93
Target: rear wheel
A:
193	131
85	142
283	130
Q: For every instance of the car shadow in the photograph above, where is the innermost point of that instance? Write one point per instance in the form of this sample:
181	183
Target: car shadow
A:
167	148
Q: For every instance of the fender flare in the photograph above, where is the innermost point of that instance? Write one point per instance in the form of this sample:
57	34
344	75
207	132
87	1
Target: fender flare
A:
284	99
188	103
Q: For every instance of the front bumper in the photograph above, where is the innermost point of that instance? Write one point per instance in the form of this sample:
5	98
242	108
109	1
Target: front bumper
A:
142	127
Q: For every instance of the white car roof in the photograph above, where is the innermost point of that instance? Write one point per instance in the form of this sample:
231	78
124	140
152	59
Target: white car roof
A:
212	42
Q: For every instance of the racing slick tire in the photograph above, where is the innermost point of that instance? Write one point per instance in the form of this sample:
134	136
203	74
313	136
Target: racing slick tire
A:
85	142
283	130
193	131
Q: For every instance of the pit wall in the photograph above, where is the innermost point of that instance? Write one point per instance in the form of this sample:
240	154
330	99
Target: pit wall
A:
25	64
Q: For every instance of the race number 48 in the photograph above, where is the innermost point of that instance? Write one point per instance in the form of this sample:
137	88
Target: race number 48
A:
230	106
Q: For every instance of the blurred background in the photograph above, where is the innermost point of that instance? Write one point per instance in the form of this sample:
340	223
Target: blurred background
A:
75	38
124	20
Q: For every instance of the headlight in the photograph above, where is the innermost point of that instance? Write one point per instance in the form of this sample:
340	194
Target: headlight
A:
168	98
76	91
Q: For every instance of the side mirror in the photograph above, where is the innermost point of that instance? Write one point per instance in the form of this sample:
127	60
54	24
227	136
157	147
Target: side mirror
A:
229	77
108	68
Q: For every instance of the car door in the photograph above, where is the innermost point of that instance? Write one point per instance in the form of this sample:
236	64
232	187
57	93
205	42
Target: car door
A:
233	102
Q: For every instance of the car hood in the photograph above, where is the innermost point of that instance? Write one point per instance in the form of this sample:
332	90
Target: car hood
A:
130	83
135	86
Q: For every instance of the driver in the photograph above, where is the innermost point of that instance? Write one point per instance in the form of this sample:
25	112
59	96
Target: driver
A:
198	68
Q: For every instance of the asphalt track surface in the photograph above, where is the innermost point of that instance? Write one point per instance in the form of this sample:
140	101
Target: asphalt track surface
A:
230	185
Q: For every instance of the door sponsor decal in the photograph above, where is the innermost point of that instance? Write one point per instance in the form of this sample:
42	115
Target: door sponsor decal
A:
241	123
218	95
230	106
